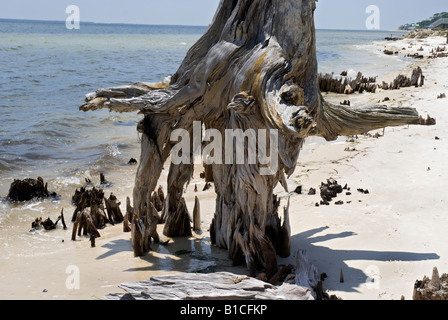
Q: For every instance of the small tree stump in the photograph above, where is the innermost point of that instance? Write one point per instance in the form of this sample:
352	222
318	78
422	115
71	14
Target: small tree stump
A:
63	220
28	189
84	223
434	288
197	215
92	241
113	209
128	218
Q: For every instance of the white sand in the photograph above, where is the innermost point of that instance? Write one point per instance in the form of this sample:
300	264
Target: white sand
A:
395	234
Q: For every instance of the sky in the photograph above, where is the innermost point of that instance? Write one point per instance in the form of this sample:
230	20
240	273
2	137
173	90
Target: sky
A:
330	14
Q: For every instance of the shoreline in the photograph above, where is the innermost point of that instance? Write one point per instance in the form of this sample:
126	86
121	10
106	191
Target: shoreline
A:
394	235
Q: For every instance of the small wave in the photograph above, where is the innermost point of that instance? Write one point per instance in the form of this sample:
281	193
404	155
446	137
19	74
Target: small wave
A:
13	48
125	123
61	183
110	118
36	156
35	206
80	86
352	73
113	150
327	55
5	167
4	212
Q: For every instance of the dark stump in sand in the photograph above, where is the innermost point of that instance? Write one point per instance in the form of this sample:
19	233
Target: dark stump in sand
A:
330	190
28	189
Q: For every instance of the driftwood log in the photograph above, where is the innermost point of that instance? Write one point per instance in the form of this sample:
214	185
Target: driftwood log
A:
289	283
216	286
254	68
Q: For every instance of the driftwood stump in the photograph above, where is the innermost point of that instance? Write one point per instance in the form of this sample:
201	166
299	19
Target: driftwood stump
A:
28	189
84	225
113	209
144	228
434	288
289	283
128	218
197	215
255	69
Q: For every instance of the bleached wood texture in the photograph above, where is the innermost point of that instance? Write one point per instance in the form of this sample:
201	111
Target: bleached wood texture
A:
254	68
215	286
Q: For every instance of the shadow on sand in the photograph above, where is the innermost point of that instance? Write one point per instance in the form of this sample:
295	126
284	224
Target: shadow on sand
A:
198	255
323	257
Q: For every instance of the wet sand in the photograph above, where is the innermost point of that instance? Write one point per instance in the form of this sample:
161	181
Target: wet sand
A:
394	235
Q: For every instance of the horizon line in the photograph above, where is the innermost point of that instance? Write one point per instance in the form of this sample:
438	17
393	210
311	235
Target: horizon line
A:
168	25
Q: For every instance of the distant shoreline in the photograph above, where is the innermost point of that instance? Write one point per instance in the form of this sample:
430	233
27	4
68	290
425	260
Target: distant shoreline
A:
98	23
166	25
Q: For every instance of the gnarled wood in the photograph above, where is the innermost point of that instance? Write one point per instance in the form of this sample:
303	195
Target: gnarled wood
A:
216	286
144	229
254	68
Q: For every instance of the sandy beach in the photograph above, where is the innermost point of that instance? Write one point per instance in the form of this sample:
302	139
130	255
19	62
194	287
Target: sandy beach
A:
395	234
383	241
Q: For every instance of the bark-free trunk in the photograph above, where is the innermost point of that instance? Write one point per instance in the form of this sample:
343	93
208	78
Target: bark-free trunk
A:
254	68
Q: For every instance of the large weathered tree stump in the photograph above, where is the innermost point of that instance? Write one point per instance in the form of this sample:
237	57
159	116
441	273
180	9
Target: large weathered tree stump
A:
255	68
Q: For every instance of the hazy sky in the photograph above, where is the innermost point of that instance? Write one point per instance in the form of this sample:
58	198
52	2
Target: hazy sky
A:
330	14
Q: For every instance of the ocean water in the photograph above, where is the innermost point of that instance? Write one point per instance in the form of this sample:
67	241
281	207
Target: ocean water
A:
356	51
45	72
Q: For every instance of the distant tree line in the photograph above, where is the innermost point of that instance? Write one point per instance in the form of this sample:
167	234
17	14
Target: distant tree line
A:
424	23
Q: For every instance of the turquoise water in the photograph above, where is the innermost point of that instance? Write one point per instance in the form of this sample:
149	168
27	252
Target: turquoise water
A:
45	71
353	51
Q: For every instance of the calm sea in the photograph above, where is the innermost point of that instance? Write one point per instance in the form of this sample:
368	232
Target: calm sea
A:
45	71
